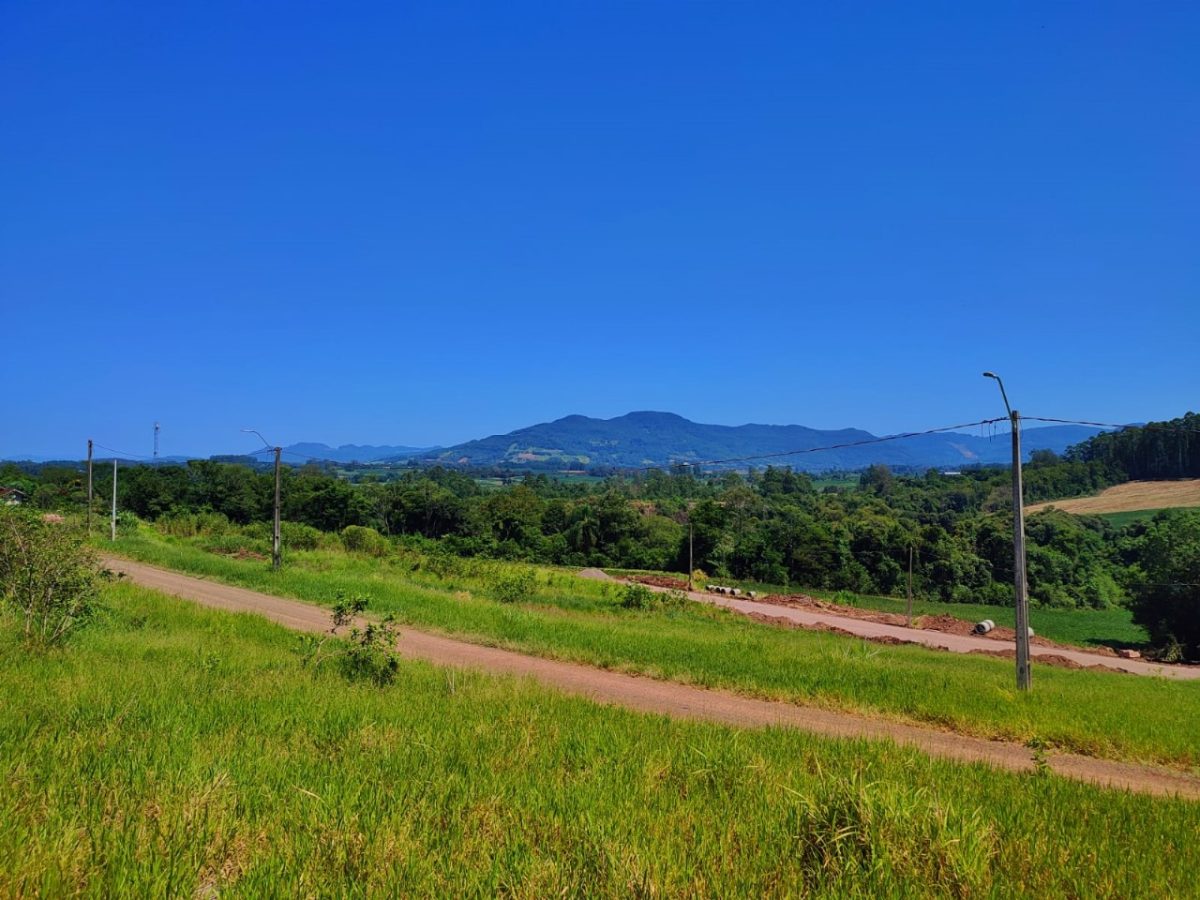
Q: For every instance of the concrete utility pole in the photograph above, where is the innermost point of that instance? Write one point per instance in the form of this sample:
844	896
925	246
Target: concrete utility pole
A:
89	510
691	554
113	529
276	542
910	560
1020	581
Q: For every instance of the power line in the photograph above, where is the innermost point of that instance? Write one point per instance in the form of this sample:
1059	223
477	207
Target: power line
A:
121	453
1166	426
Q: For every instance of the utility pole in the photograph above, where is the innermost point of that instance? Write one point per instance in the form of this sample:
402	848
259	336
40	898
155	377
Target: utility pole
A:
156	427
276	542
910	567
1020	581
113	531
691	551
276	554
89	509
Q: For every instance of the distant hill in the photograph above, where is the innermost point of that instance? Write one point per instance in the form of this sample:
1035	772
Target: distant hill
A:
348	453
660	438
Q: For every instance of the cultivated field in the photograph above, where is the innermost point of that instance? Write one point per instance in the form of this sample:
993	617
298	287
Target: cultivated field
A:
170	750
1133	495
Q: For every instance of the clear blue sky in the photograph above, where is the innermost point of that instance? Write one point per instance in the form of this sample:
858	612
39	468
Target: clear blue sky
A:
422	223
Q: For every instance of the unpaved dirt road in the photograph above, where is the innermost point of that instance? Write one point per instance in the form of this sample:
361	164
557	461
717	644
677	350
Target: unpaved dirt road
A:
939	640
667	698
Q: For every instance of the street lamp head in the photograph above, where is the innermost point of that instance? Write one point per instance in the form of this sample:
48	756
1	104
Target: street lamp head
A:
991	375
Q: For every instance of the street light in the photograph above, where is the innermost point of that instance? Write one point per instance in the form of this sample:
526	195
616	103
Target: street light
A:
276	544
1020	582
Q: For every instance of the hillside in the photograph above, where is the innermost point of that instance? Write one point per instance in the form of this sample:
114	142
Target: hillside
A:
347	453
1131	496
660	438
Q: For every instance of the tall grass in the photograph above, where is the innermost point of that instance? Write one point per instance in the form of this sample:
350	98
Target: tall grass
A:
176	751
1102	714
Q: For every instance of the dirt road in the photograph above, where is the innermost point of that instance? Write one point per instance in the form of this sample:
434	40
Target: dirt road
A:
667	698
940	640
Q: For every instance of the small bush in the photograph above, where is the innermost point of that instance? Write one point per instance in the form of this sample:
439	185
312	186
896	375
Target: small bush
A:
48	577
513	587
365	654
297	536
360	539
638	596
189	524
236	545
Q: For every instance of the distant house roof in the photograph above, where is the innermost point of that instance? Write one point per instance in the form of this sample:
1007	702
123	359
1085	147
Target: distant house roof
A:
12	494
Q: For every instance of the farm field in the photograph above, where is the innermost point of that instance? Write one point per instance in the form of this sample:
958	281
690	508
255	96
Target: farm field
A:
1131	496
172	750
558	615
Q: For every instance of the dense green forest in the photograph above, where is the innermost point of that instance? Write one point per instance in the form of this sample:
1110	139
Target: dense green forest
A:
772	526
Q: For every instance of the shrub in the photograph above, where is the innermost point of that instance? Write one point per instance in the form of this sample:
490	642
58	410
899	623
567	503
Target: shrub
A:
297	536
514	586
360	539
194	524
48	577
366	654
638	596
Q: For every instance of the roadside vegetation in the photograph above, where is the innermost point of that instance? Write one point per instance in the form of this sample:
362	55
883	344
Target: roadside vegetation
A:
774	525
174	751
554	613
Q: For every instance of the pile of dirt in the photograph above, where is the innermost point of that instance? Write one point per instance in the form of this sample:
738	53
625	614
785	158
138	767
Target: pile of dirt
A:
804	601
1052	659
595	575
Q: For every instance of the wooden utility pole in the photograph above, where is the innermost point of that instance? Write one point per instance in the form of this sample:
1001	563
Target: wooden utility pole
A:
910	567
89	509
1020	582
113	531
276	554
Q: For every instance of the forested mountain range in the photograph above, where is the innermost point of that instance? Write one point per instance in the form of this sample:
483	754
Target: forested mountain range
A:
660	438
348	453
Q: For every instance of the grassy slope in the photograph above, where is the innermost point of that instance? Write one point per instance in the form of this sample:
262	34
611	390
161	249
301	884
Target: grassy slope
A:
1102	714
172	750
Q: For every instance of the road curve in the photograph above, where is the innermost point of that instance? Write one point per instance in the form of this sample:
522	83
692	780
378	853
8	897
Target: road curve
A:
668	698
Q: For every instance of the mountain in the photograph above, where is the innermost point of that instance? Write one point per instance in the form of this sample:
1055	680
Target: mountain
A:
660	438
348	453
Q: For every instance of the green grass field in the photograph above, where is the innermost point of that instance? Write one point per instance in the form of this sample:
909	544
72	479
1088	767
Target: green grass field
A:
1102	714
1121	519
170	750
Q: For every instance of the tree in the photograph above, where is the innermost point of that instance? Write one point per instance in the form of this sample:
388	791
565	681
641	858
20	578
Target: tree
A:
1167	599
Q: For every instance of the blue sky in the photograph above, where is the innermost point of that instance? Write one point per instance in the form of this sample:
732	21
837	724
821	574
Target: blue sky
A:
423	223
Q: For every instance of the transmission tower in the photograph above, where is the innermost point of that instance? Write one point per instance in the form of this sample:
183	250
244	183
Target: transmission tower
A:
156	428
